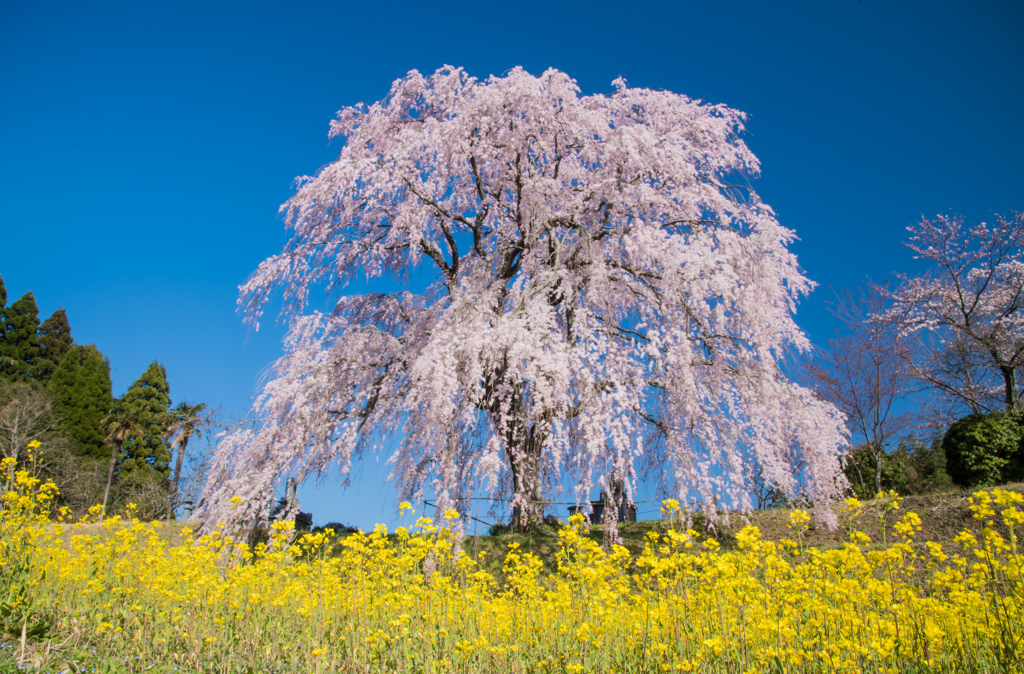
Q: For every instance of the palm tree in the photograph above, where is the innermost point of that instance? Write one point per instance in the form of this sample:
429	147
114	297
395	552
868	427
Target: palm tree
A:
121	426
185	421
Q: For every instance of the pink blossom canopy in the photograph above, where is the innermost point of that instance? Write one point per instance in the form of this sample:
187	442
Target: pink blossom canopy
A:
606	295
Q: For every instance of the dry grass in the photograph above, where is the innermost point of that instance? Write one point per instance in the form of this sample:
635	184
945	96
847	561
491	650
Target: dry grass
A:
943	516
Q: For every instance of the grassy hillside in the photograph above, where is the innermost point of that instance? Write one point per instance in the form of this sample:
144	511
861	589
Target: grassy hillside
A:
943	516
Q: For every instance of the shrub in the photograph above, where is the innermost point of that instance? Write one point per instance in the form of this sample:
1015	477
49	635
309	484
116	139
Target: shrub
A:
338	528
860	471
926	466
983	449
499	529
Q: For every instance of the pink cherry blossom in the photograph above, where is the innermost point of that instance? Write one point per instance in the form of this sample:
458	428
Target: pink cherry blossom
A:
968	310
608	296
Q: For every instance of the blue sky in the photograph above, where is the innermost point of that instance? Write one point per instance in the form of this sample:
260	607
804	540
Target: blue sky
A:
145	148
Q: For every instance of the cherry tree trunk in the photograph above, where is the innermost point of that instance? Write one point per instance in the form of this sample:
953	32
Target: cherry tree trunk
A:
524	459
1010	387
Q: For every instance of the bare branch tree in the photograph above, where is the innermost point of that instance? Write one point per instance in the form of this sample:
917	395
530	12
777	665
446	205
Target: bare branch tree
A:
867	372
26	414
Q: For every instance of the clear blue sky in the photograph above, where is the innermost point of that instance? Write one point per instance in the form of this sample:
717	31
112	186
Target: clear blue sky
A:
145	148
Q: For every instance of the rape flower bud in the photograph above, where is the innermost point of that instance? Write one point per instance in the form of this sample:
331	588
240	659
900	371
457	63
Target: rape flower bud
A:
966	539
715	645
798	518
932	631
860	538
236	501
1004	497
908	525
935	550
1012	517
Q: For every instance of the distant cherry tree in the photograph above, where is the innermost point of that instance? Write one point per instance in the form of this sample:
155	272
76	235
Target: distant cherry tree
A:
968	310
603	289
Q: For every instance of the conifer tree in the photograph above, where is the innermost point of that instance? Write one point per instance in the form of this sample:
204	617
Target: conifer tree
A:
148	401
3	325
54	343
82	392
20	348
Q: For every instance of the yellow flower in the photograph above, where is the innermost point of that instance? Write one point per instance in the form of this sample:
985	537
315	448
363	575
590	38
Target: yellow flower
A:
714	645
798	519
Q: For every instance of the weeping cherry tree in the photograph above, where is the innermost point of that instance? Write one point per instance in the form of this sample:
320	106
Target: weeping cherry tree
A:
568	288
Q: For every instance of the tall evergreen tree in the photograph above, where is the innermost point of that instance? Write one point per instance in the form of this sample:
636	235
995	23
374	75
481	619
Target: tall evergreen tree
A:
54	343
82	392
3	325
148	401
20	348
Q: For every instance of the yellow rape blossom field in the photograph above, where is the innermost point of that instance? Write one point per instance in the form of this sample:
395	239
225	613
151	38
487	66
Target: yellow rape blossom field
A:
119	596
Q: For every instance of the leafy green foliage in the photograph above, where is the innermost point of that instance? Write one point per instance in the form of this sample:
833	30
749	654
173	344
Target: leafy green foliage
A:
861	465
983	449
926	466
914	467
54	343
148	401
499	529
20	347
81	386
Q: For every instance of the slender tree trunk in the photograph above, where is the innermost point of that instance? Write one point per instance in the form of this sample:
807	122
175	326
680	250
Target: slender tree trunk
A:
877	451
1010	384
114	451
852	461
177	475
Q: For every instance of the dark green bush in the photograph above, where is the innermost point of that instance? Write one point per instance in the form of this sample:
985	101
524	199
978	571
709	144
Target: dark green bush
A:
984	449
860	471
926	466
